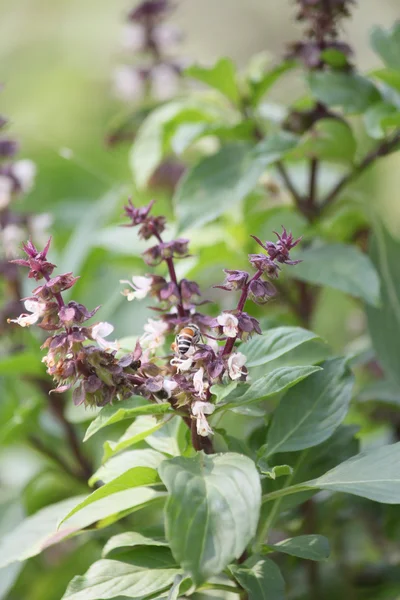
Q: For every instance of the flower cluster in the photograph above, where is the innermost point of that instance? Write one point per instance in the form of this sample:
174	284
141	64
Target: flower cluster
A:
323	18
153	73
16	179
203	354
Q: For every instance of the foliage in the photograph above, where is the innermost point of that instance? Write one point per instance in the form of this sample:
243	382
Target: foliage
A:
214	448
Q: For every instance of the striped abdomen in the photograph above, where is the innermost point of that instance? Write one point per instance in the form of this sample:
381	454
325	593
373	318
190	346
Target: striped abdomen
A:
187	337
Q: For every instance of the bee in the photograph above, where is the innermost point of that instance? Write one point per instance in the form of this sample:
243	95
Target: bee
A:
187	337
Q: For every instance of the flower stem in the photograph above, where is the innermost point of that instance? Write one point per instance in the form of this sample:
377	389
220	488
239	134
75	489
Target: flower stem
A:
230	342
174	279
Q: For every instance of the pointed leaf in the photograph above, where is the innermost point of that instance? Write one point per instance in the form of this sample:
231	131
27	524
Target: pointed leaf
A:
130	539
274	343
212	510
118	465
135	477
127	409
222	77
310	547
311	411
136	432
111	578
277	381
261	578
374	475
341	267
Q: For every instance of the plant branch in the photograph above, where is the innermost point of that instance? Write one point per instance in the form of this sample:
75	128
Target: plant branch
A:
277	497
37	443
382	150
290	186
174	279
57	409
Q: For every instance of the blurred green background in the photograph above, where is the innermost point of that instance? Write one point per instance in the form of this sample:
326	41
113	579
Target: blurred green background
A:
57	59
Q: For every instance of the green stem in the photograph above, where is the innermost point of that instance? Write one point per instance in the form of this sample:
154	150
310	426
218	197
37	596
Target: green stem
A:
277	498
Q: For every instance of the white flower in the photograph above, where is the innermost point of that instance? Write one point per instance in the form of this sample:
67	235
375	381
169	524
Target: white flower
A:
128	83
6	186
199	410
184	364
24	171
235	363
199	384
102	330
168	386
36	308
155	334
165	82
11	238
229	323
133	37
140	285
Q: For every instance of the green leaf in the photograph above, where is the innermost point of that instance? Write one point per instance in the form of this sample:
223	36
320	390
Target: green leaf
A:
388	76
329	139
127	409
21	363
310	547
167	439
274	343
130	539
118	465
261	578
276	381
32	535
136	432
310	412
261	85
150	144
111	578
380	391
374	475
274	472
135	477
105	510
341	267
386	43
212	510
351	91
221	77
384	322
217	183
375	117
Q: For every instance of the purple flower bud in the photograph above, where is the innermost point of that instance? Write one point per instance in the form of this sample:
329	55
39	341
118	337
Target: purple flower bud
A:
152	256
37	263
149	9
169	292
8	148
235	280
265	264
137	215
189	289
152	226
261	291
154	384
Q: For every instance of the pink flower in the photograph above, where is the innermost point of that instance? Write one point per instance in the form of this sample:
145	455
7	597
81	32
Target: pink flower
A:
155	334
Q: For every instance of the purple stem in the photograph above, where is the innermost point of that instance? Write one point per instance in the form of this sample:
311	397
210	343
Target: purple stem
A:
242	301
